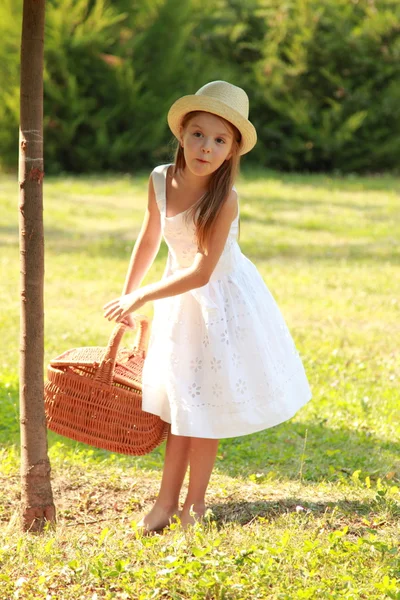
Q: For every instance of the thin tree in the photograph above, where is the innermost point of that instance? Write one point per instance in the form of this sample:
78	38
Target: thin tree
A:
37	505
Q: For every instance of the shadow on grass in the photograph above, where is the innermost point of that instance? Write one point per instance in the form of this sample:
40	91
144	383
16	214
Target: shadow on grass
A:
305	206
376	252
313	451
68	242
347	511
9	412
59	242
384	182
310	451
62	240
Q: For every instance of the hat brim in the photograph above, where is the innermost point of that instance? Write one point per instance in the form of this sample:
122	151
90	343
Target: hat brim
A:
212	105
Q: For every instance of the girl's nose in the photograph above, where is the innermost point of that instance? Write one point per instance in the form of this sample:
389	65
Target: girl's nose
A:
206	145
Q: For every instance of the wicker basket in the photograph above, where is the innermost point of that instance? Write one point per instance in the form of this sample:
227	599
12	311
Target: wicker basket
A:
94	395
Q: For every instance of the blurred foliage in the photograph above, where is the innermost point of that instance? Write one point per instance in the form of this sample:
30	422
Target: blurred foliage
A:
110	78
10	34
328	86
323	79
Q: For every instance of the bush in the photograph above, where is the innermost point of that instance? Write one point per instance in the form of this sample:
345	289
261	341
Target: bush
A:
323	79
108	84
327	91
10	34
109	80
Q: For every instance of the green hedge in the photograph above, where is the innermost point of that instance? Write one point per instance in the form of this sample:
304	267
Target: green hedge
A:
109	82
328	86
322	75
10	34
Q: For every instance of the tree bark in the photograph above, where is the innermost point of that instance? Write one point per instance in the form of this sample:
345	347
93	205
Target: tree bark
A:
37	505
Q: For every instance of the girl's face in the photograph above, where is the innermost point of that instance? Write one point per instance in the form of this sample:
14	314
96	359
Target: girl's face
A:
207	142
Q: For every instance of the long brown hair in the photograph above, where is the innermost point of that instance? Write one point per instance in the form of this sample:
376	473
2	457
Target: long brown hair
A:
206	209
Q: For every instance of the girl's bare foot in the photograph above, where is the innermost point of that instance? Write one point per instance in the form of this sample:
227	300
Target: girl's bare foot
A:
158	518
192	514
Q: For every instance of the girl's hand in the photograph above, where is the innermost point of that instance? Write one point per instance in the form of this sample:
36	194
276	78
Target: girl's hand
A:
120	308
130	321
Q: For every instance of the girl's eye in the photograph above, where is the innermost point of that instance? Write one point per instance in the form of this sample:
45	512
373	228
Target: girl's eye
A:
197	134
220	141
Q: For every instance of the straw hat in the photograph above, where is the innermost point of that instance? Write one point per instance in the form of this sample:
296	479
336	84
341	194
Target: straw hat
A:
222	99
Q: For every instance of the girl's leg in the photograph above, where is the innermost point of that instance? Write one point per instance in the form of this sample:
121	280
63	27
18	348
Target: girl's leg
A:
175	465
202	454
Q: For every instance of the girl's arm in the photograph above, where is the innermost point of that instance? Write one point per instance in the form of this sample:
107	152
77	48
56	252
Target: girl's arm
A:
146	245
197	275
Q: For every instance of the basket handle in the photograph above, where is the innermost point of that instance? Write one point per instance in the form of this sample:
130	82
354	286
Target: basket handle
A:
142	326
105	369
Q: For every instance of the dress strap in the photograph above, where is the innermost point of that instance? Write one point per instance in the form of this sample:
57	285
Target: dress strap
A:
159	175
238	215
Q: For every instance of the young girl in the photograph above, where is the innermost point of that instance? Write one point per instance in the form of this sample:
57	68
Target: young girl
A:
221	361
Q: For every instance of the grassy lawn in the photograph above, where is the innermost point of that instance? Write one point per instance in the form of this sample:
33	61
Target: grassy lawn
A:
306	510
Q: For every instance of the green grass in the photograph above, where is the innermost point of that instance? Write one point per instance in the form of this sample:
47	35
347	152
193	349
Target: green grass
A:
308	509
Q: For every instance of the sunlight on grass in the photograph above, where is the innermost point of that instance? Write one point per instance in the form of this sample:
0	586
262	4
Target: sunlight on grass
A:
309	509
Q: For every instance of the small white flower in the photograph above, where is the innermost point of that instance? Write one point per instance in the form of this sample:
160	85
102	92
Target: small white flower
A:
240	333
217	390
194	390
225	337
237	361
215	364
241	386
196	365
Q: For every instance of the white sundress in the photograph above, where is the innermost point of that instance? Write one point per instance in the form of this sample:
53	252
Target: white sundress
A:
221	361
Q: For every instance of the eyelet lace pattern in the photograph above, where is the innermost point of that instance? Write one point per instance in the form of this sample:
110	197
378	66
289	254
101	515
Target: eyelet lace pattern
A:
221	360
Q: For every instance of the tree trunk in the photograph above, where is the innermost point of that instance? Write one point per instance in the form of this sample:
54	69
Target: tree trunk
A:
36	495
